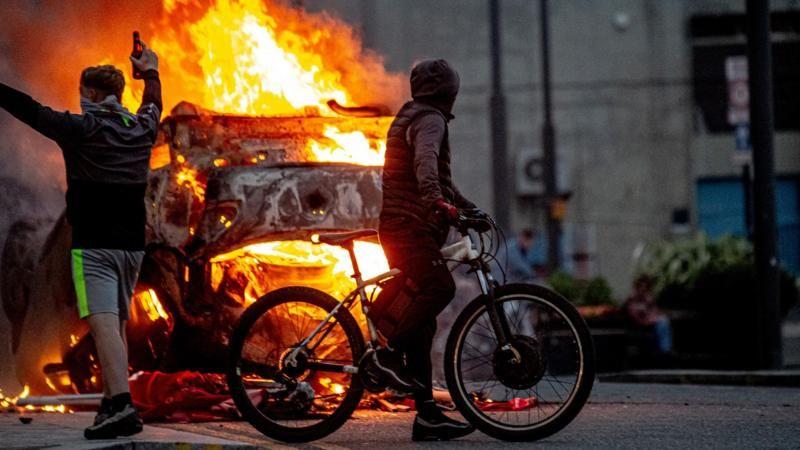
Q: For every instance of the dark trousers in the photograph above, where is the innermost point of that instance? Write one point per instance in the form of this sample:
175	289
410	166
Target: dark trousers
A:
415	249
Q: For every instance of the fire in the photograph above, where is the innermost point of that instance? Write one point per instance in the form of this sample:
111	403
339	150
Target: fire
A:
260	57
187	177
8	402
331	386
250	67
151	305
347	147
250	272
12	402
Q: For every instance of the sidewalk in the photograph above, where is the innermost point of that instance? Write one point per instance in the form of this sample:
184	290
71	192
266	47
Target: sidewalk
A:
66	430
788	377
772	378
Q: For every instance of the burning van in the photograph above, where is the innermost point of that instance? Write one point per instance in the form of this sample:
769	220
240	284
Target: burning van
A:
237	188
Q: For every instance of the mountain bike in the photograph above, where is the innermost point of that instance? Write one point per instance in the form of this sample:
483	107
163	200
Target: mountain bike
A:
519	359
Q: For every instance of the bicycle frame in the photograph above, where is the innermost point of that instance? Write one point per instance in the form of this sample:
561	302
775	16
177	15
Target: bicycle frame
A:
462	252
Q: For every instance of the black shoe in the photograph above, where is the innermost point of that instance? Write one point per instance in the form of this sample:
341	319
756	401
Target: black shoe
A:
390	364
438	427
105	410
120	423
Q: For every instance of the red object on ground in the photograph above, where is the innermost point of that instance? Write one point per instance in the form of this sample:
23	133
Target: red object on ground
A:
515	404
181	397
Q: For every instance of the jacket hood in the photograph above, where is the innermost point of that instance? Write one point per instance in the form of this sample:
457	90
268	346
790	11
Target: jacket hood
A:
109	105
433	81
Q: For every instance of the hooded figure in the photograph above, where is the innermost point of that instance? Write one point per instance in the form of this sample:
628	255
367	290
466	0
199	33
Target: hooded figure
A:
418	198
417	180
435	83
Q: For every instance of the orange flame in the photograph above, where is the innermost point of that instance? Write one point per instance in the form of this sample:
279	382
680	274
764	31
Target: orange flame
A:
347	147
259	57
151	305
263	267
11	402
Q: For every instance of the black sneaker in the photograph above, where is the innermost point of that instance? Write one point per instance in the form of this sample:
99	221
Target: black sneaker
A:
438	427
390	364
120	423
105	410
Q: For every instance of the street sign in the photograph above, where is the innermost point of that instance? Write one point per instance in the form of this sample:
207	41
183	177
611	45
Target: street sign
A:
742	154
529	173
739	107
738	92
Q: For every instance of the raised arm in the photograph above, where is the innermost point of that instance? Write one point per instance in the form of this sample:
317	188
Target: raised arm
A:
152	90
152	106
52	124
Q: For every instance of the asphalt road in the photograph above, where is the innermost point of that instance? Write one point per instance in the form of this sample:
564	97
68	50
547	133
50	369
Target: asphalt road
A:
618	416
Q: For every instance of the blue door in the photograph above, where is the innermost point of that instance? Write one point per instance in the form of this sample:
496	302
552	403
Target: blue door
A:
720	206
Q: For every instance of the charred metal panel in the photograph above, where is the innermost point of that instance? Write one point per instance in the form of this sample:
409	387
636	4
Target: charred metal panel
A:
169	209
249	204
247	140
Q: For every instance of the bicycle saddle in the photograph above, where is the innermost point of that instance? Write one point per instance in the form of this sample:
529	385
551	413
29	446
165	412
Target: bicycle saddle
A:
344	238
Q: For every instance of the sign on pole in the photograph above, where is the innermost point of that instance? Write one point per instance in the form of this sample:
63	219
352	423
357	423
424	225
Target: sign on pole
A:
739	107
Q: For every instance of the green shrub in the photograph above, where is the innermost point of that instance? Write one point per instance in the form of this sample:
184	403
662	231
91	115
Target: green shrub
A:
595	291
685	273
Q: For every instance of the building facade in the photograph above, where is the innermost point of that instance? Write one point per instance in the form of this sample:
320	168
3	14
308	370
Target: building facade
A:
633	140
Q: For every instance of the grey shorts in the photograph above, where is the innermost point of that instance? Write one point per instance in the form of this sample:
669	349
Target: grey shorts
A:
104	280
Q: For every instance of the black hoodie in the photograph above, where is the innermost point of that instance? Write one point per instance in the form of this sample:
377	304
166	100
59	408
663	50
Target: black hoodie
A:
417	169
106	152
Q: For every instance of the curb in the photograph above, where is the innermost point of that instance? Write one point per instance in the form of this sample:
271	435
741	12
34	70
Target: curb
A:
777	378
66	430
145	445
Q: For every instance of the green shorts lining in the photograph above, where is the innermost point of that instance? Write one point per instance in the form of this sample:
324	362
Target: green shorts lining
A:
80	282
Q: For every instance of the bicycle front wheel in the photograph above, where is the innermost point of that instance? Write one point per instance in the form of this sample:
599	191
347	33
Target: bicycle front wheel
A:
290	392
532	388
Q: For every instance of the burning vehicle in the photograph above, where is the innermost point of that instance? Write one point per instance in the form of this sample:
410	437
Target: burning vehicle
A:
234	194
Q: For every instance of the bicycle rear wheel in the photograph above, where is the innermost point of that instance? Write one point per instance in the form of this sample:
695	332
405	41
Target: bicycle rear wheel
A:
289	393
536	387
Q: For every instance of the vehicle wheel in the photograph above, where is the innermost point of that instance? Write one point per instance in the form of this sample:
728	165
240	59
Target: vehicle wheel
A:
292	399
537	388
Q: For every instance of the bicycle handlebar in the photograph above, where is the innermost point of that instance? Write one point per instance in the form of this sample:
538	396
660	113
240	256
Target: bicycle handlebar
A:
473	219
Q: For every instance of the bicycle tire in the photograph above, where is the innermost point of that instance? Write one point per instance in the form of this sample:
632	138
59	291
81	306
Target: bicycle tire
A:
583	384
241	330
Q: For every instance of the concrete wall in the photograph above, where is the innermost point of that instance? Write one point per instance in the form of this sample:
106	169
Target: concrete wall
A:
627	144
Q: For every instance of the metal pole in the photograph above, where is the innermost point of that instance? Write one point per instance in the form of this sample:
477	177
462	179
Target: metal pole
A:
765	233
747	187
549	145
497	108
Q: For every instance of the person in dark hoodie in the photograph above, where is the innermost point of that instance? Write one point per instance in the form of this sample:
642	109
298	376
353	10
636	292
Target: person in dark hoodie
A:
420	202
106	152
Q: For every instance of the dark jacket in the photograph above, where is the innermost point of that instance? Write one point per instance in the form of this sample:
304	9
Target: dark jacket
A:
417	172
106	153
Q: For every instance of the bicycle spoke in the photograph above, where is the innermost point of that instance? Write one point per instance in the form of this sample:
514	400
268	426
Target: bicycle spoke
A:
537	327
308	391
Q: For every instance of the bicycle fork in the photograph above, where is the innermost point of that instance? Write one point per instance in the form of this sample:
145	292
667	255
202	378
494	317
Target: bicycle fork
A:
497	314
